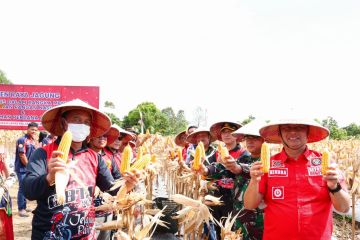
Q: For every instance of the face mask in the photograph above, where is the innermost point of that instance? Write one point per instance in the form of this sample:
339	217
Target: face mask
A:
79	131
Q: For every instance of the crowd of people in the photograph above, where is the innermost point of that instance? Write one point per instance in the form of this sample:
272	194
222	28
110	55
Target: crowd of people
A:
293	200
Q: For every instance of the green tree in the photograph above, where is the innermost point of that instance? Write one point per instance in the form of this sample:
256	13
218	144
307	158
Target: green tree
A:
149	113
4	79
165	121
247	120
114	119
353	130
335	132
181	122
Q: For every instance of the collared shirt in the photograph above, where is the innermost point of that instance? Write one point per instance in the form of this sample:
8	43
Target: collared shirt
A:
297	198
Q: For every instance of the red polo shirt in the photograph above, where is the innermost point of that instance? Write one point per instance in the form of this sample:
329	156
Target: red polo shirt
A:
297	198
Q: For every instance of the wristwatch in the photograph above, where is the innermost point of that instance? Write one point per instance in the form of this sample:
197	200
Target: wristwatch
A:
335	190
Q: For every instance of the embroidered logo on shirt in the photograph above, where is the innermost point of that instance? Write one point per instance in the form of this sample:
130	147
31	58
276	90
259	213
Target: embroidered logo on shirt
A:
278	192
278	172
20	145
316	161
277	163
314	171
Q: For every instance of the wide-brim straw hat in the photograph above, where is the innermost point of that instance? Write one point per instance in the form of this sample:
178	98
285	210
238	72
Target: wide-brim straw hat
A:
112	134
216	129
180	139
191	138
250	129
51	119
271	134
128	136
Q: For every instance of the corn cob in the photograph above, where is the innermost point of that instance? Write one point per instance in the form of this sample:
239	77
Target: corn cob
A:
141	163
179	154
325	162
139	154
203	155
153	158
223	151
126	159
197	158
62	177
265	157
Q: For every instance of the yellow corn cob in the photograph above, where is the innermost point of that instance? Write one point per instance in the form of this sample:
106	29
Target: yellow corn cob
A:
62	177
139	154
265	157
197	158
141	163
153	158
223	151
203	155
179	154
147	132
325	162
126	159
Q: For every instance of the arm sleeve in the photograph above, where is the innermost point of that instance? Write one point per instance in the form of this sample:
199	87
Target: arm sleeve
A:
34	184
115	172
20	145
104	180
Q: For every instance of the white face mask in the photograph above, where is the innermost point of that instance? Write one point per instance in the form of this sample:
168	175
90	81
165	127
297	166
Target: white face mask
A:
79	131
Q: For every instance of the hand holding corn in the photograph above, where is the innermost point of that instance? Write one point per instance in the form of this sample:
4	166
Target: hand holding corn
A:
230	164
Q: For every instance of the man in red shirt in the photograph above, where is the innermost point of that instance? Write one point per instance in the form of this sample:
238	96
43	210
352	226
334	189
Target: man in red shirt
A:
299	198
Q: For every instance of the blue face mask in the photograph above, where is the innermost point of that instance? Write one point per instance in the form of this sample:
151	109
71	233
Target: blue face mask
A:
79	131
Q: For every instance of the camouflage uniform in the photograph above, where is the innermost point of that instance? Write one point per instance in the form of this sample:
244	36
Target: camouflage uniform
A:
224	180
251	222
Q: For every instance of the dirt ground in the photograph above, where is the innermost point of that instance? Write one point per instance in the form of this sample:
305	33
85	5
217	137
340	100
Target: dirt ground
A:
22	226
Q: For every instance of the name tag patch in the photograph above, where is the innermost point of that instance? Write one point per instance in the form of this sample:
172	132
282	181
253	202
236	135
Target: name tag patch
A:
278	172
277	163
314	171
278	192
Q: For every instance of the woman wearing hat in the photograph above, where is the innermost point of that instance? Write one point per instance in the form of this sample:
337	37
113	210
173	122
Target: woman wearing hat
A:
294	190
251	222
75	218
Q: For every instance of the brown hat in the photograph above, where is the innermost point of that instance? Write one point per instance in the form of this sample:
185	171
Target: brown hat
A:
51	119
112	134
271	133
180	139
216	128
191	138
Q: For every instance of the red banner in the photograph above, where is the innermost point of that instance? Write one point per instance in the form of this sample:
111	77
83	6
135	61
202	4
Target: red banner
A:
22	104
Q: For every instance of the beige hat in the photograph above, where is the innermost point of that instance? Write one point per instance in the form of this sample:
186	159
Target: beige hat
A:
180	139
112	134
216	128
271	134
191	138
252	129
128	136
51	119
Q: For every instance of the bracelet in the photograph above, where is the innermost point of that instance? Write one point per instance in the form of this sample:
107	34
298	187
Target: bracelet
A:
335	190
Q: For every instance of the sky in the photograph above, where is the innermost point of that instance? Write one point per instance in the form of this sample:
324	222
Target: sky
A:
233	58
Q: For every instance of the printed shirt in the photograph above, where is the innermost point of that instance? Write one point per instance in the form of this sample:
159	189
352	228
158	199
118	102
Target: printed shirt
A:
296	194
75	219
24	145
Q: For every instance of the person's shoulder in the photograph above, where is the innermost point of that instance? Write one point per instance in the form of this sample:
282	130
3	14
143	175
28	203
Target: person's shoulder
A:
21	139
